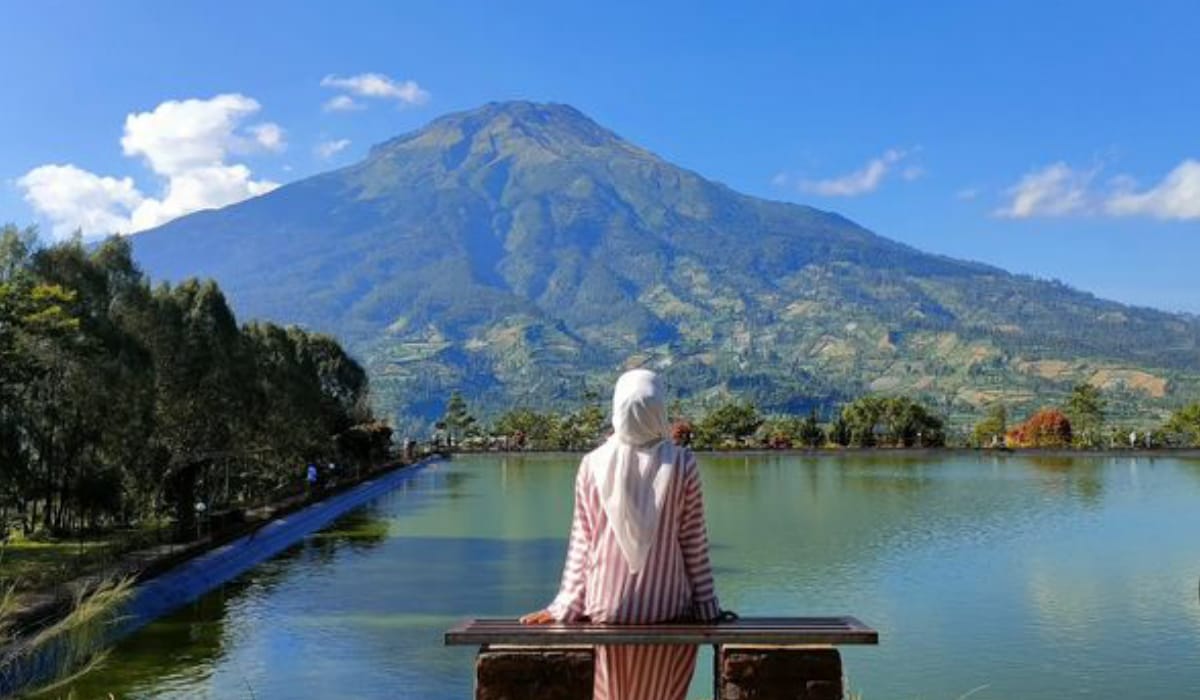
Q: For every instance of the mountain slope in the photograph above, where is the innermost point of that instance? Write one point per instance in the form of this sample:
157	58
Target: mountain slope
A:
524	253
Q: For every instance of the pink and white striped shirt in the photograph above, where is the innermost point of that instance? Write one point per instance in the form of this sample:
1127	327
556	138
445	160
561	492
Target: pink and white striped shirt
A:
676	580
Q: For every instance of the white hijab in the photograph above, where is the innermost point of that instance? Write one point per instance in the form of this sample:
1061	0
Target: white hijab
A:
634	467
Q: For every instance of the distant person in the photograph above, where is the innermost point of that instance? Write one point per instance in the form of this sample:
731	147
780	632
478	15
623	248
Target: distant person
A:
1133	438
638	551
311	476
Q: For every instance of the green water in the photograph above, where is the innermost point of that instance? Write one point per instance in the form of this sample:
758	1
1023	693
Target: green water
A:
992	578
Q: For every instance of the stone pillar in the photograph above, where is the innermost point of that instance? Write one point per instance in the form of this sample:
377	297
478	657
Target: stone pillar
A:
525	673
745	672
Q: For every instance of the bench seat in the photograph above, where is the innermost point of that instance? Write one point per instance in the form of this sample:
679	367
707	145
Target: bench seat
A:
777	631
764	658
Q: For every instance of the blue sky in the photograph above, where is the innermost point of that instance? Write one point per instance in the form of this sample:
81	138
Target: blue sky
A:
1057	139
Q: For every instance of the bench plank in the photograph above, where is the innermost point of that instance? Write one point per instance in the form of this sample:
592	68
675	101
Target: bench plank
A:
747	630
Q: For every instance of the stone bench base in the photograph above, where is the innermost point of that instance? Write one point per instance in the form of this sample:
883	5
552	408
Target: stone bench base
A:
529	673
777	673
741	672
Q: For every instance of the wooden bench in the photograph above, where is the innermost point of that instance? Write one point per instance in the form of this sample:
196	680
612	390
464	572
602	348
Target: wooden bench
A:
754	657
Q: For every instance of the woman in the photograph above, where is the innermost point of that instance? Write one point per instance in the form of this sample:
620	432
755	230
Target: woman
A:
639	548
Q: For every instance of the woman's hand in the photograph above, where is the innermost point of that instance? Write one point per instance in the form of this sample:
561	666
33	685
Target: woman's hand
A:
541	617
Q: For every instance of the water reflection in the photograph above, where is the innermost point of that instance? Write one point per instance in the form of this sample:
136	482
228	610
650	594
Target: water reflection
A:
1080	478
183	649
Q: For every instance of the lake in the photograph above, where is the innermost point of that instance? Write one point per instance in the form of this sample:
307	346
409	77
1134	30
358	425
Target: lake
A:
988	577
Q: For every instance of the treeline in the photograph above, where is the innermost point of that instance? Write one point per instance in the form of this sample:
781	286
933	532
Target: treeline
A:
873	421
123	404
1082	422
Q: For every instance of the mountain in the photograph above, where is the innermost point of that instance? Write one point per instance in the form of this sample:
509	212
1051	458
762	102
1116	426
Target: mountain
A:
523	253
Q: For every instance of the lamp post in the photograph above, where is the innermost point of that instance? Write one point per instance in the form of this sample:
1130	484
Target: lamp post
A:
200	510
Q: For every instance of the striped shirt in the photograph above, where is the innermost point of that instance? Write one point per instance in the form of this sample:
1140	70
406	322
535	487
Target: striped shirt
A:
676	581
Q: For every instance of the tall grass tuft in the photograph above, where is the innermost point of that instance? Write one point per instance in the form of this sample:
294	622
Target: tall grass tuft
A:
8	606
92	612
70	646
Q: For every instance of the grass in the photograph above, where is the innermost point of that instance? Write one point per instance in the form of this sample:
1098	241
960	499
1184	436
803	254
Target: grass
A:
29	565
36	564
91	613
8	606
76	643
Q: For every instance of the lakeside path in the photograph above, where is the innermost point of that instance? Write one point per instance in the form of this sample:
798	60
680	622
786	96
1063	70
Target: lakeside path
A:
167	579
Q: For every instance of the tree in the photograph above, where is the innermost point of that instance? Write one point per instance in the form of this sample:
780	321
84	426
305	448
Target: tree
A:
579	430
839	431
291	412
1085	409
780	433
206	383
899	422
1048	427
811	434
458	420
785	432
1183	427
366	443
864	421
527	428
730	423
990	431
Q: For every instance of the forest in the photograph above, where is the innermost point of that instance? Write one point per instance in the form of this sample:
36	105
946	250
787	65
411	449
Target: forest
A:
126	404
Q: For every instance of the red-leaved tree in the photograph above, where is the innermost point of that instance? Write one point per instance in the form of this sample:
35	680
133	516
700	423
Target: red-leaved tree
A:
1048	427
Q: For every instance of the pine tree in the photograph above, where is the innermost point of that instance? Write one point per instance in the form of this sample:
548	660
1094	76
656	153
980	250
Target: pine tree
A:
457	418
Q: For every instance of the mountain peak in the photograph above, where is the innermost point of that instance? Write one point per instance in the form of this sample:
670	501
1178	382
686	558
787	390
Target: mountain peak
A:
516	127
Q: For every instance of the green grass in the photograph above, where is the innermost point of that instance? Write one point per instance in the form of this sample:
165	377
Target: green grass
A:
35	564
30	565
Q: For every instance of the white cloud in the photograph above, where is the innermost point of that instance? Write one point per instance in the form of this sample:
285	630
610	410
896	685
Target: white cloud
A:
1177	196
376	86
200	188
184	142
328	149
74	199
342	103
180	135
967	194
1056	190
865	179
270	136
